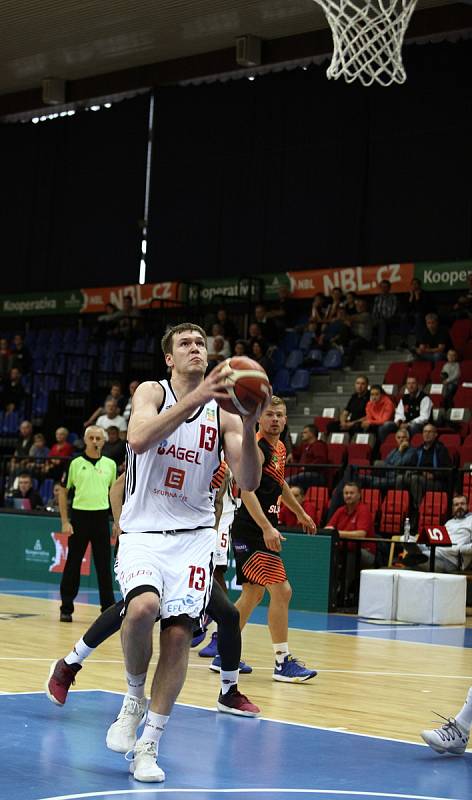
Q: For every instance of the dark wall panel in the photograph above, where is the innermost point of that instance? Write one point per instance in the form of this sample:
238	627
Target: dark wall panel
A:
292	170
71	195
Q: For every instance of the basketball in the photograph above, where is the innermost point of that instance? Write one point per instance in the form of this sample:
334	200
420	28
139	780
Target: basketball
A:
247	386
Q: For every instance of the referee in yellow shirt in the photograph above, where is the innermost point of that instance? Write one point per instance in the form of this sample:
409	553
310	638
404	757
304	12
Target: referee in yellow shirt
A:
90	476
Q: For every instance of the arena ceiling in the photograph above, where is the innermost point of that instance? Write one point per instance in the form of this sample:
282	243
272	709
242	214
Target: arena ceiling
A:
157	41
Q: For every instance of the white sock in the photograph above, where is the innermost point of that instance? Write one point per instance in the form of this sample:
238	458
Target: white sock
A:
136	684
228	679
281	651
464	717
79	653
153	727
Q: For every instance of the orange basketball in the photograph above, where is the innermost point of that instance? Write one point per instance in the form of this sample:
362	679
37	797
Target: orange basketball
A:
247	386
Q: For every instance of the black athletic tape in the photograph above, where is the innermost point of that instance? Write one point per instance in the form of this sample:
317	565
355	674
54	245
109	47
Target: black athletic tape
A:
179	620
137	591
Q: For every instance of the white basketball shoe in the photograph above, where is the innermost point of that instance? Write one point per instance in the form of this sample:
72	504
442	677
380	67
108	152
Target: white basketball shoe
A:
449	738
121	735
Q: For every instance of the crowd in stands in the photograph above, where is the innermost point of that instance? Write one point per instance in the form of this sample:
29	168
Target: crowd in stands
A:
404	436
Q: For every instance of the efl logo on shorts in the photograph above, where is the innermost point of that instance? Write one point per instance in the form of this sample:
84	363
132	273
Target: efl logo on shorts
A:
175	478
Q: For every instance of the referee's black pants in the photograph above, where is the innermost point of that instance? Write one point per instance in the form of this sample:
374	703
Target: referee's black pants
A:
89	526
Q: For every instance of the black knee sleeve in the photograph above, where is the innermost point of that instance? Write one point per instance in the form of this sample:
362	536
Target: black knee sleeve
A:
181	619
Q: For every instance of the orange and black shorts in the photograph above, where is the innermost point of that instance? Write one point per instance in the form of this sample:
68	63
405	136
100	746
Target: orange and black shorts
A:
255	563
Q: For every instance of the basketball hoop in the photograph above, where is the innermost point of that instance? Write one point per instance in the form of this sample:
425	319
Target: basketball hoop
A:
367	38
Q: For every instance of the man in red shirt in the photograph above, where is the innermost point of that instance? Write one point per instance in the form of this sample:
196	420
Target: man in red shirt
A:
354	520
310	451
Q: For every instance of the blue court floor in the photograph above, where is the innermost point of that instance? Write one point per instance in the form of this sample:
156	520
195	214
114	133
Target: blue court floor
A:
50	753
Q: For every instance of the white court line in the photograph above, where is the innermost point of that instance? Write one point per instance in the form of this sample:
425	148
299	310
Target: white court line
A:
244	790
320	670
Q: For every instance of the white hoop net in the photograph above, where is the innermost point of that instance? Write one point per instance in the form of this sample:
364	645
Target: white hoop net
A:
367	38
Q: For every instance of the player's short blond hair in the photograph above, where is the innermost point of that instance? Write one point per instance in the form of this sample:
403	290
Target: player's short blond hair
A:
167	340
278	401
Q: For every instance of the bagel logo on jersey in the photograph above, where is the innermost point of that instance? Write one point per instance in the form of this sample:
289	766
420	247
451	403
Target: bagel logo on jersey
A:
180	453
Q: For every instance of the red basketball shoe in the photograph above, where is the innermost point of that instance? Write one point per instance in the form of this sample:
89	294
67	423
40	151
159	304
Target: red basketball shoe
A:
61	676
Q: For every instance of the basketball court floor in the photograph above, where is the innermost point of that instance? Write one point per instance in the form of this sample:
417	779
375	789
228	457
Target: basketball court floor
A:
352	732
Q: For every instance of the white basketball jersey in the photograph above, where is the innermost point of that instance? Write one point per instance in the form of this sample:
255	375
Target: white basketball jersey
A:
168	486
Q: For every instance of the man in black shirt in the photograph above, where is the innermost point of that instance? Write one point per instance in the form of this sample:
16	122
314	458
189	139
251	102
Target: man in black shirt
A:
25	491
114	447
430	456
434	343
13	391
352	416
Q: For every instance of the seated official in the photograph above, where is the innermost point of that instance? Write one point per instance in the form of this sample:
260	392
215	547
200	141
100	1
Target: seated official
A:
459	556
354	520
26	492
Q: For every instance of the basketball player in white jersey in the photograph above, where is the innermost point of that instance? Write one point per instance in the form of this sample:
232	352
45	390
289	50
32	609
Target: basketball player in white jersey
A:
165	560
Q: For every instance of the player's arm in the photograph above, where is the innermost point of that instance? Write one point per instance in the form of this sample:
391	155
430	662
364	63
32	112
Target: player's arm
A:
219	497
242	452
116	502
272	537
146	427
305	520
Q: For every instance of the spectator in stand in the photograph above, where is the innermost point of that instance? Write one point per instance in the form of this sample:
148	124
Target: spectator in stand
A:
255	333
228	326
336	333
108	323
240	348
259	353
352	416
217	332
463	308
115	448
130	320
354	520
13	393
20	355
310	451
450	376
26	491
131	388
336	301
5	355
62	448
431	455
412	412
434	342
112	416
52	503
317	318
383	312
39	449
287	519
361	329
25	440
285	311
414	313
350	304
115	393
378	411
216	353
267	325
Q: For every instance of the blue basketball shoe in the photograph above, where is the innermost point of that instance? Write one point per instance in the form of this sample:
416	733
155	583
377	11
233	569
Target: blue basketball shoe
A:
244	668
211	650
292	671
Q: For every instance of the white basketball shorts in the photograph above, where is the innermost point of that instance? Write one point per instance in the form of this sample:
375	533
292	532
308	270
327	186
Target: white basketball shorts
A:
223	539
178	565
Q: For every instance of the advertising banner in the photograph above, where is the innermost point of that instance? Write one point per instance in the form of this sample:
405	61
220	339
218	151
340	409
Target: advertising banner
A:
441	276
96	299
234	289
39	303
364	280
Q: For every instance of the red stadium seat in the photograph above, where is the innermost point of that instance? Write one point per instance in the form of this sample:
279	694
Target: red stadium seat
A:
358	451
465	455
387	445
394	509
432	510
421	370
417	440
336	453
322	423
467	350
466	371
372	498
396	373
467	486
316	502
463	397
453	443
437	400
435	376
460	333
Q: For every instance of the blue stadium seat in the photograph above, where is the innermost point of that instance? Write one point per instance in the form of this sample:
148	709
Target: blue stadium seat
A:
300	381
281	383
306	341
46	490
290	341
294	359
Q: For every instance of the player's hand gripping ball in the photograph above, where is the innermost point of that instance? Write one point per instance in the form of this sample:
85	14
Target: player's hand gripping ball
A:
247	385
